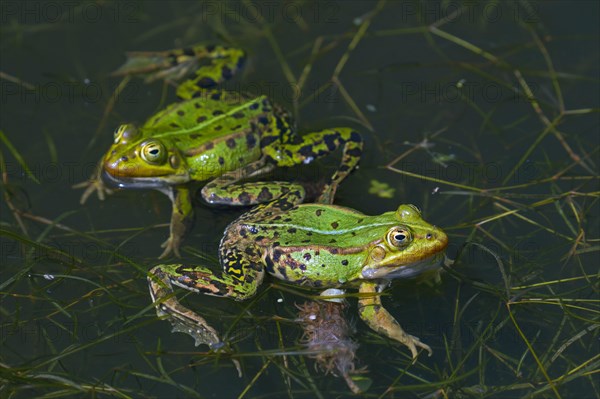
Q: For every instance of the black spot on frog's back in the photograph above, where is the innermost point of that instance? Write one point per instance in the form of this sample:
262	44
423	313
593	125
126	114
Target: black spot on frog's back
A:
250	141
226	73
231	143
244	198
206	82
265	195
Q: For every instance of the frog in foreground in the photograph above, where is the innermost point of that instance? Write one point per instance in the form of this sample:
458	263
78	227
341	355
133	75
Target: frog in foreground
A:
315	245
212	135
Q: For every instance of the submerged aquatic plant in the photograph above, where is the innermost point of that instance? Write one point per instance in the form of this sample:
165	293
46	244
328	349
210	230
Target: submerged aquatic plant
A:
327	334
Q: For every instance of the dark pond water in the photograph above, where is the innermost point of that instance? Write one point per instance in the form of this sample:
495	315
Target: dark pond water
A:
505	95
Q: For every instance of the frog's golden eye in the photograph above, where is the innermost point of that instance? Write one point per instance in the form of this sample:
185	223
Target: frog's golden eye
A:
399	237
125	132
153	152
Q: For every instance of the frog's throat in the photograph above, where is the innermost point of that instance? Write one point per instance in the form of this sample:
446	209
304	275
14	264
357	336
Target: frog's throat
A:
405	271
158	183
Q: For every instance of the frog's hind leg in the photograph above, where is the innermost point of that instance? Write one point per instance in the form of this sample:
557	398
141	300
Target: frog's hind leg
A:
241	276
225	190
172	65
316	145
182	318
224	63
242	272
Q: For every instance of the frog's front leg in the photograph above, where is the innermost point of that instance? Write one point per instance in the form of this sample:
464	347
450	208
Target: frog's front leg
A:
181	217
242	274
94	183
379	319
316	145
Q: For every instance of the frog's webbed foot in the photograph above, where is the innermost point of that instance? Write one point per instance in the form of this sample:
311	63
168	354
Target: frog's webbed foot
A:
171	245
380	320
183	319
93	184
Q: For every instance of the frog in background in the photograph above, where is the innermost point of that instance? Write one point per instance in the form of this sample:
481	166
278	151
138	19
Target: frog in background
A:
212	136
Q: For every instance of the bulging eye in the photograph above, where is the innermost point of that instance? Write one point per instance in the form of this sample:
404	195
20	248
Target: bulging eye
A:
125	132
153	152
415	208
399	237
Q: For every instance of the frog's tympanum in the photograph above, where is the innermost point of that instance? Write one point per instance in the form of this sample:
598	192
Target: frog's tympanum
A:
212	135
314	245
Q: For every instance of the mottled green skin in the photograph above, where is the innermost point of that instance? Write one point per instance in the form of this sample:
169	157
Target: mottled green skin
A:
321	246
327	246
214	136
202	139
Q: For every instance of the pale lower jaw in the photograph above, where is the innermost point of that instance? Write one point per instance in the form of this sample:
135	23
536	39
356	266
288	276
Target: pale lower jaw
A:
142	182
405	271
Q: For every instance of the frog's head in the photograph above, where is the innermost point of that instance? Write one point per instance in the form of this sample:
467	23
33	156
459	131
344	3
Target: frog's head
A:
135	161
410	247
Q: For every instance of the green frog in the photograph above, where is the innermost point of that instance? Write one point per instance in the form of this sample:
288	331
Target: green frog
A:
212	135
316	245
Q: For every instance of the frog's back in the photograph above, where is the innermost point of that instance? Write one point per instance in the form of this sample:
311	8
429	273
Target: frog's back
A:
214	133
327	226
207	117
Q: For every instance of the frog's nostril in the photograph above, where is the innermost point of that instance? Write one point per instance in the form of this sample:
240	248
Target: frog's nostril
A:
429	236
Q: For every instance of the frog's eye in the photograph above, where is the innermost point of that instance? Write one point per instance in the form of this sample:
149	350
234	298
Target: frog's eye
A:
153	152
399	237
415	208
124	133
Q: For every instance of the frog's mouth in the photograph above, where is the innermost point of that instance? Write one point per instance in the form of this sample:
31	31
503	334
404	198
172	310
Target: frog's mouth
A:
405	271
158	183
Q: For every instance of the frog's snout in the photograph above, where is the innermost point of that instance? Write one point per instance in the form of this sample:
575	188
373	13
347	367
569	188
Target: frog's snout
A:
118	166
438	238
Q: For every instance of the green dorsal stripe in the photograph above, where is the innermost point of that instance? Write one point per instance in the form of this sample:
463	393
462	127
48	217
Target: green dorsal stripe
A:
210	121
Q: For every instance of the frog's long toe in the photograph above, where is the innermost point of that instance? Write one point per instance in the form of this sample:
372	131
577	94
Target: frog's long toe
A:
413	342
170	245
